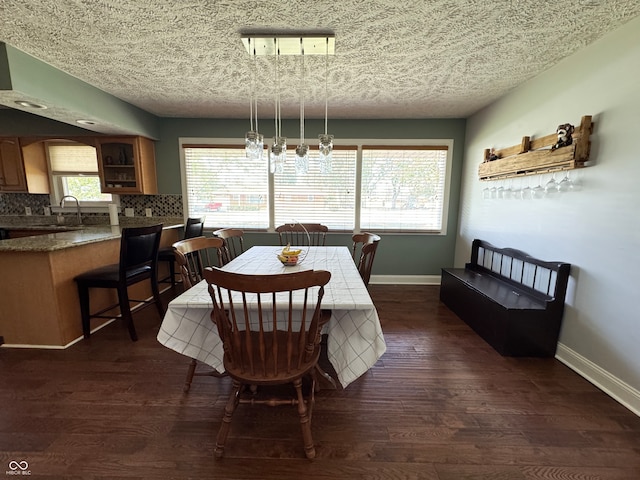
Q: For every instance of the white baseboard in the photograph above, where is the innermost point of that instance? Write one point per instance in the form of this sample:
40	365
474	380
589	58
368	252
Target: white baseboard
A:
41	347
405	279
624	394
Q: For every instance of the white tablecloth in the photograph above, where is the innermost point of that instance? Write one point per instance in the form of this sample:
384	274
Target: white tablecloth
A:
355	339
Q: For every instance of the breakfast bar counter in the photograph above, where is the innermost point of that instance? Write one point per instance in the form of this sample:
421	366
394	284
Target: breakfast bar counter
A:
40	306
60	239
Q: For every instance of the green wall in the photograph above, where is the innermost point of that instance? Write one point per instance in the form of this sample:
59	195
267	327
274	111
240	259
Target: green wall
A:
18	123
42	83
398	254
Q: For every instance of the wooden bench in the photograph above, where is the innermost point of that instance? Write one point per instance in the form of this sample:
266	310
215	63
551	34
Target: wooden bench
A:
513	301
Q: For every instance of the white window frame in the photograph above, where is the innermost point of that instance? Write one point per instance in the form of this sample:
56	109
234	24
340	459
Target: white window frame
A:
358	143
408	143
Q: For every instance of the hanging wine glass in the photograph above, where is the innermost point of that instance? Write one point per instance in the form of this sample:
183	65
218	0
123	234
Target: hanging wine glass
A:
551	187
516	189
525	193
507	194
565	185
537	192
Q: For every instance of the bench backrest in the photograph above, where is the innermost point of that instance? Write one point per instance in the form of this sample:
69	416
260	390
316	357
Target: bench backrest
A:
545	280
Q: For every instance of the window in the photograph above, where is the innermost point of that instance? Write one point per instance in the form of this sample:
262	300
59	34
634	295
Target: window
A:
403	188
224	185
74	171
382	188
316	198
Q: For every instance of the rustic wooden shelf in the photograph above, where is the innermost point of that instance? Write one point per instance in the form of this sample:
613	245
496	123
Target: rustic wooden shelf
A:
535	156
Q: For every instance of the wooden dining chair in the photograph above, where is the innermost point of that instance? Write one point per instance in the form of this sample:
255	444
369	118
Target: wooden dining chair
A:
301	234
138	262
192	256
256	353
364	249
193	228
233	243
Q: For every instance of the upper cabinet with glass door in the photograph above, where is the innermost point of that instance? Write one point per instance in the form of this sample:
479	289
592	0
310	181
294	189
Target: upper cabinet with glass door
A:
127	165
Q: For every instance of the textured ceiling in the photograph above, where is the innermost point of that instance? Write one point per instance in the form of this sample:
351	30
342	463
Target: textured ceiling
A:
394	58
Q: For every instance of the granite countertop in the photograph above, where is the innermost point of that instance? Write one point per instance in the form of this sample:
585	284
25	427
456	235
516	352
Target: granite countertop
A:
75	235
45	226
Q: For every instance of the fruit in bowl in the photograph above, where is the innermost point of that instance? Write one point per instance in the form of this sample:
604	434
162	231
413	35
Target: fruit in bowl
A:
288	260
289	257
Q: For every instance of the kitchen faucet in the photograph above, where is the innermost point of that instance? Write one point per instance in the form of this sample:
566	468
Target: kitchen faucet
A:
77	205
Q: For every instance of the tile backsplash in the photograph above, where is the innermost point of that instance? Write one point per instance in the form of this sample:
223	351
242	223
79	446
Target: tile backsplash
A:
160	205
14	203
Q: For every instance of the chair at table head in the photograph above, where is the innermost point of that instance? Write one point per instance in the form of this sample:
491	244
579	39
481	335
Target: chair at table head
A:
364	249
193	228
233	243
257	354
194	254
301	234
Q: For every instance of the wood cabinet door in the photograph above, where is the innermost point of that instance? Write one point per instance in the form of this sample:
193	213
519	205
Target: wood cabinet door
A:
12	176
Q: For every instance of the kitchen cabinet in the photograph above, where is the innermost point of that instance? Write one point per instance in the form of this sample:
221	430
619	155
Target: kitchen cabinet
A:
12	176
127	165
23	166
36	166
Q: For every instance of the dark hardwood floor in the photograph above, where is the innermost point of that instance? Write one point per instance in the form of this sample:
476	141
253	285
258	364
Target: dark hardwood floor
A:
439	405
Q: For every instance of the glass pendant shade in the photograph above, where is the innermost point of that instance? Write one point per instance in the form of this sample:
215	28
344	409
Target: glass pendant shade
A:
254	145
302	159
254	141
325	141
275	46
326	152
278	155
282	143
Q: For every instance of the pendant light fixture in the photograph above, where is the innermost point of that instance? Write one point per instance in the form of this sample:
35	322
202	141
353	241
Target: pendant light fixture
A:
291	44
325	140
302	150
278	152
254	141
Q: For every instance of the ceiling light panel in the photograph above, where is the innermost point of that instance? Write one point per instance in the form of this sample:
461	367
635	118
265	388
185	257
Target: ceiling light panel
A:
290	44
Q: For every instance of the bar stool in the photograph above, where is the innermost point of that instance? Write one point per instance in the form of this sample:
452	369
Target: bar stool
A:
138	262
193	228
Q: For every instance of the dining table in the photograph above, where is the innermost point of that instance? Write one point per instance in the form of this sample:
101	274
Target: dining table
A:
355	341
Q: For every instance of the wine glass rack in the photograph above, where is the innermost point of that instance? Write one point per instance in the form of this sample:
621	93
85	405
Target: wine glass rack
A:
534	156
